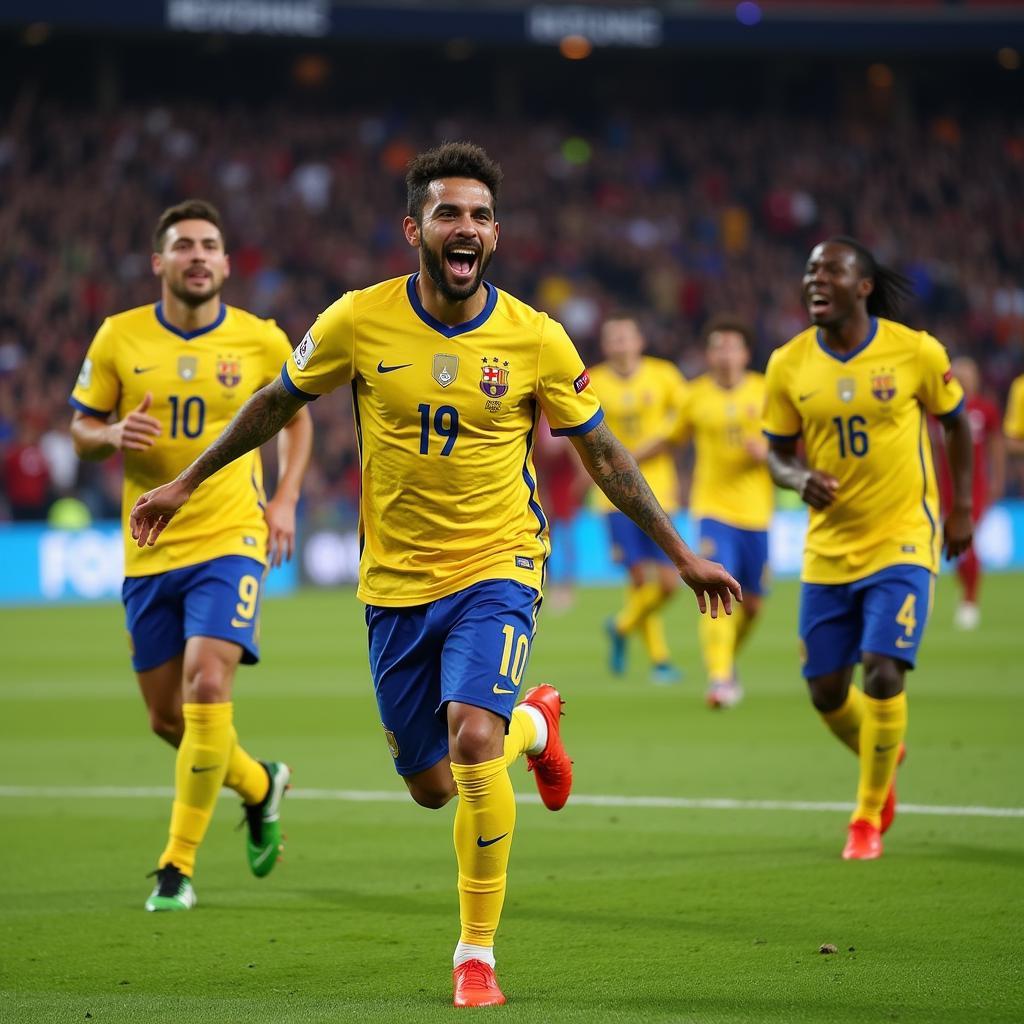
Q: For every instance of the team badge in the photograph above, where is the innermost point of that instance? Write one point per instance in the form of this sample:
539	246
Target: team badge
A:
85	374
883	385
847	388
494	377
445	368
187	367
581	383
229	372
392	741
304	350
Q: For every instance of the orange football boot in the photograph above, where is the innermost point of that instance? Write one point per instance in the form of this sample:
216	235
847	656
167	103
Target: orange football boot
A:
476	985
552	768
864	841
889	807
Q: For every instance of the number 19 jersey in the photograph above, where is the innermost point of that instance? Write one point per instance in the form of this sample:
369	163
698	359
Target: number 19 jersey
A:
862	418
446	420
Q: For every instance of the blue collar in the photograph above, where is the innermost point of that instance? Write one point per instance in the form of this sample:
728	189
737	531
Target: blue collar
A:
189	335
451	332
845	357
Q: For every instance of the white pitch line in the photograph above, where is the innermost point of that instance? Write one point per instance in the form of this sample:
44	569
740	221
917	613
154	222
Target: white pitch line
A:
675	803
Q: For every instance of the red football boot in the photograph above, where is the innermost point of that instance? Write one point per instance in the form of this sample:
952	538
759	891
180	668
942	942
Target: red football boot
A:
552	768
889	807
864	841
476	985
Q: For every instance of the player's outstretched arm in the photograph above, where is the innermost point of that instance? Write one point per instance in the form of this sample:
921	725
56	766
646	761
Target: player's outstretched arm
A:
788	470
958	528
615	471
96	439
257	421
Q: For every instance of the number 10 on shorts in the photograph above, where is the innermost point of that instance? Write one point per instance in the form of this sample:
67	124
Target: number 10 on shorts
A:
513	664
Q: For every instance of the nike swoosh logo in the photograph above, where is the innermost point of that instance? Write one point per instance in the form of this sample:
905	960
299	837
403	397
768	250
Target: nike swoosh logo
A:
882	750
209	768
241	623
900	642
143	369
480	841
803	398
498	689
381	368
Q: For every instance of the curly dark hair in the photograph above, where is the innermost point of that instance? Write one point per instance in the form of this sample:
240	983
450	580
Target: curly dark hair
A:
449	160
189	209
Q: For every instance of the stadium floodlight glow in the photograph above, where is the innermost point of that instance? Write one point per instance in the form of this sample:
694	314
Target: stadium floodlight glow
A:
575	47
1008	58
748	13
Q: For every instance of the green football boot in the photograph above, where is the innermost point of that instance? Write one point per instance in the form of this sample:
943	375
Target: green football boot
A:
173	890
264	845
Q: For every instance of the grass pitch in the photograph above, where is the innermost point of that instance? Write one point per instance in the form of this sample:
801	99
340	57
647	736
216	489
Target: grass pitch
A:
623	912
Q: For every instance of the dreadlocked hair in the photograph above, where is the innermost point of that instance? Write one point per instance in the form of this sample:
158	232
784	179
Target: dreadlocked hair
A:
892	289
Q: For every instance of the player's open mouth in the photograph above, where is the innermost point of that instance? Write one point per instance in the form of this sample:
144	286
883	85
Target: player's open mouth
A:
818	303
462	260
198	275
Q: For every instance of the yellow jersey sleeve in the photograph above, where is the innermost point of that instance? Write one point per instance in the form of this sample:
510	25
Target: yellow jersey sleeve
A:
325	358
1013	425
938	391
563	384
98	388
780	421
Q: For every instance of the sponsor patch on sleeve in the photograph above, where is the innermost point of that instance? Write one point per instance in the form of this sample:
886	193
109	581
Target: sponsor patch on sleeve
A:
85	374
304	350
582	382
947	376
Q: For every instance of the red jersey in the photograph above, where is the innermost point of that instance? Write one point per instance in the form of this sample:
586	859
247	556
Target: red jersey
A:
985	420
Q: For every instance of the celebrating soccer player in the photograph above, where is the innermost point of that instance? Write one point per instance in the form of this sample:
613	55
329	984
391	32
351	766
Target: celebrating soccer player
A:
171	376
641	397
731	495
448	375
1013	421
856	386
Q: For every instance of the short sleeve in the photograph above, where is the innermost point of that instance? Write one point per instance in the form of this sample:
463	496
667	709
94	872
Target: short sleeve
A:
325	357
1013	424
938	391
563	385
98	388
276	352
780	421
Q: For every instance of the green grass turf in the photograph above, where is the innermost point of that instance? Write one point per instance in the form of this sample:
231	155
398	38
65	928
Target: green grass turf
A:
613	914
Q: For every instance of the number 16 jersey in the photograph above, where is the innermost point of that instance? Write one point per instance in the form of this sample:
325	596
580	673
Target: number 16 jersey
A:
446	421
862	418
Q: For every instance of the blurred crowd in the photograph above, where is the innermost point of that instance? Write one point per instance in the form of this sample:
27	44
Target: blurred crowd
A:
674	217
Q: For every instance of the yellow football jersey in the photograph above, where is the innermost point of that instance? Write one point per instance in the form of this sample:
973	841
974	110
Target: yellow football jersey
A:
198	381
642	408
1013	424
446	420
862	418
728	483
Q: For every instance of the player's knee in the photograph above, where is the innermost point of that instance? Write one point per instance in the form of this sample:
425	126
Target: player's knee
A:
430	796
828	692
475	739
207	683
168	727
883	677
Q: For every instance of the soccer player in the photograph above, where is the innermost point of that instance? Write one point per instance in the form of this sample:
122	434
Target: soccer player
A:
856	386
157	384
1013	422
448	375
989	481
641	397
731	494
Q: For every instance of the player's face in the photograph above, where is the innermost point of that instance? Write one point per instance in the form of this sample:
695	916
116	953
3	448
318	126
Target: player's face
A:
457	235
192	263
622	344
833	287
727	354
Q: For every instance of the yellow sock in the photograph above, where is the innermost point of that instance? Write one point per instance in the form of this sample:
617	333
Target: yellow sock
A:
199	774
521	736
718	645
881	733
633	611
743	622
654	638
484	822
846	720
245	775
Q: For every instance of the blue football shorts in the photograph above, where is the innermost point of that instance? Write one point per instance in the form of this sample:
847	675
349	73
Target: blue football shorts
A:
630	544
884	613
743	552
219	598
471	647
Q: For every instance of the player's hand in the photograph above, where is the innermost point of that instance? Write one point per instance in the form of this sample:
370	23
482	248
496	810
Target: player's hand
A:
957	531
819	489
138	430
280	517
711	584
155	509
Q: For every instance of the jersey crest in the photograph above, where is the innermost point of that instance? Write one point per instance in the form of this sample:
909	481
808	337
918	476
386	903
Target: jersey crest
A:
187	366
445	368
883	385
494	378
229	372
846	387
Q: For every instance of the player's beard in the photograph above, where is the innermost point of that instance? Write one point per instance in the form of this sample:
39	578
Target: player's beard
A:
193	298
435	270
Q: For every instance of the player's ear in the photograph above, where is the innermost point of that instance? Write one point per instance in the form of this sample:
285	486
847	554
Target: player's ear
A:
865	286
412	231
227	266
156	261
497	231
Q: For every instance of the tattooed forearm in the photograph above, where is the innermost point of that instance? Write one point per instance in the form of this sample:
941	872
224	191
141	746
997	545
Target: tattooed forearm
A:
257	421
615	471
